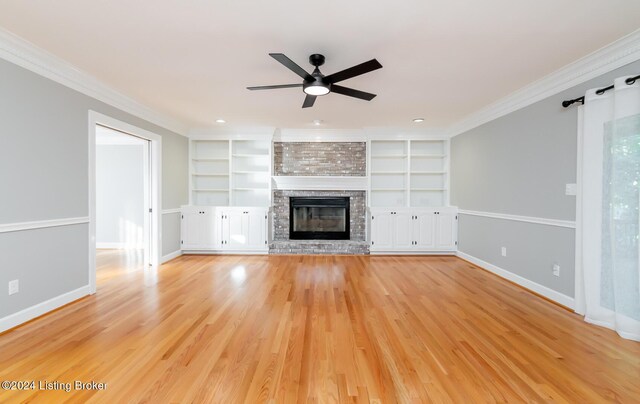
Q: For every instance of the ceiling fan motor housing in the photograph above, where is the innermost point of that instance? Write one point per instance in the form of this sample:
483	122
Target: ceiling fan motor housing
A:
316	59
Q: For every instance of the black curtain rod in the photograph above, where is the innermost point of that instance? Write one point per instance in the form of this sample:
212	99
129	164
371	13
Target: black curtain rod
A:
600	91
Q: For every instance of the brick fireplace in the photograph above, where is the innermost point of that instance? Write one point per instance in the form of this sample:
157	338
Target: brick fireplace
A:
330	171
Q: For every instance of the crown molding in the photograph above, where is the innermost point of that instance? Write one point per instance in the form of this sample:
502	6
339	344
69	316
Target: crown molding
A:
617	54
27	55
233	133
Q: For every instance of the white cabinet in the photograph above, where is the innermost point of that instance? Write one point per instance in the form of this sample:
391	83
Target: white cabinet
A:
424	230
198	228
382	230
244	228
446	230
225	229
413	230
402	229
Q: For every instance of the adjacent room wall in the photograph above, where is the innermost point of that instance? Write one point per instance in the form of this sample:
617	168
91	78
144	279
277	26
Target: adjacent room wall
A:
519	164
120	196
44	176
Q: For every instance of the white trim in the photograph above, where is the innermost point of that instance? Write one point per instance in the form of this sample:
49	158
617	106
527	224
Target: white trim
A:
232	133
118	246
226	252
526	283
39	309
617	54
171	211
356	135
580	305
41	224
25	54
528	219
314	182
155	157
394	252
170	256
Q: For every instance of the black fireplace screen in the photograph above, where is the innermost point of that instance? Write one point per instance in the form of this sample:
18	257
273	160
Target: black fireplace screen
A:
319	218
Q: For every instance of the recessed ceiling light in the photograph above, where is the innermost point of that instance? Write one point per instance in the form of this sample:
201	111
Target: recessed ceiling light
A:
418	120
317	122
220	121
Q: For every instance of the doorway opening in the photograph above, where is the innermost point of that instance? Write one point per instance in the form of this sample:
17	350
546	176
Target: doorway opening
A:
124	202
122	197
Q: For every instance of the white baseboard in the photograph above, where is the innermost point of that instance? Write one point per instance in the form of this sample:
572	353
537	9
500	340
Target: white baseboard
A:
39	309
170	256
117	246
524	282
382	252
226	252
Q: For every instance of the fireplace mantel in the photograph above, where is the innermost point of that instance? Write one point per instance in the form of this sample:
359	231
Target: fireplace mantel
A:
313	183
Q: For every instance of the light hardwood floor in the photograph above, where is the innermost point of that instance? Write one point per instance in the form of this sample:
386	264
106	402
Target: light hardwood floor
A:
281	329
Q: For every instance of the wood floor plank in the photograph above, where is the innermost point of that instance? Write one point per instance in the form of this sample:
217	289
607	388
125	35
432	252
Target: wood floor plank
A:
315	329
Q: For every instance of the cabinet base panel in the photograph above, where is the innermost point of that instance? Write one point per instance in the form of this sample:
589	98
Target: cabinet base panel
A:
225	252
373	252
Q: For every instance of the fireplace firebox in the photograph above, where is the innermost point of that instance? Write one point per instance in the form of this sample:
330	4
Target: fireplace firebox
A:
319	218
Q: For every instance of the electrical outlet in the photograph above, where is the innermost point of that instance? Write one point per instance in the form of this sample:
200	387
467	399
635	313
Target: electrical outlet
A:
504	251
556	269
571	189
14	287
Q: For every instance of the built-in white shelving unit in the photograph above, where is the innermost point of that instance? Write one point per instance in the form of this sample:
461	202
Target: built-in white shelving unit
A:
251	172
428	166
409	173
209	180
389	172
230	172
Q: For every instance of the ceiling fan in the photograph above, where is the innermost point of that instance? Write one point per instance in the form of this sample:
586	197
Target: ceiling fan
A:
317	84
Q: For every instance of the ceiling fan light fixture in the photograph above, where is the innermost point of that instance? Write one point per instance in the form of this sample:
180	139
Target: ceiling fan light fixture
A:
317	89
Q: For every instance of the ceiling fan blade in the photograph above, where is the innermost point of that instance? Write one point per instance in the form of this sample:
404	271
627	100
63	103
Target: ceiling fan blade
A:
354	71
274	87
308	101
291	65
352	93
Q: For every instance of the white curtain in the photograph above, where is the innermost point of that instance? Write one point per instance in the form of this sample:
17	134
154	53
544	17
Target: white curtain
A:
607	237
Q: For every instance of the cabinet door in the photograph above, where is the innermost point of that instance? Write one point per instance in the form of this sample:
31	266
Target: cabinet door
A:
403	231
198	228
446	226
256	229
236	230
424	230
190	229
207	229
381	231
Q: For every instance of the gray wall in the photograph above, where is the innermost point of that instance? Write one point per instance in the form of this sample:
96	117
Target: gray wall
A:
120	195
44	175
519	164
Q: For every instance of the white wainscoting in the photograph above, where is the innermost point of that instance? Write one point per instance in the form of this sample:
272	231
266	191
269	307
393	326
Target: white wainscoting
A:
39	309
41	224
528	219
558	297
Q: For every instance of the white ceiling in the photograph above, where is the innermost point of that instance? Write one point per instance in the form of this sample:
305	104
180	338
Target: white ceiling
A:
443	59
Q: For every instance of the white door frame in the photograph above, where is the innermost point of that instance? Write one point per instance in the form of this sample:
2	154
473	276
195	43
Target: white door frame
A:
155	157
